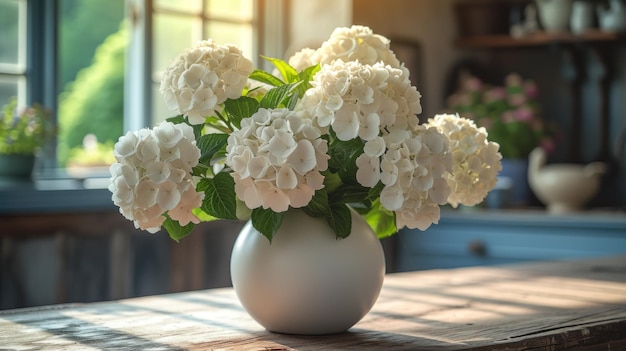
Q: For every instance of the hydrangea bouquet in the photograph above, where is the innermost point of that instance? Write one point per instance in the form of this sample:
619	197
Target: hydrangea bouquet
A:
329	130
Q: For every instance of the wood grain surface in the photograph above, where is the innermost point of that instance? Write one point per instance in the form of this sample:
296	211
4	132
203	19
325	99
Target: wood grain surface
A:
574	305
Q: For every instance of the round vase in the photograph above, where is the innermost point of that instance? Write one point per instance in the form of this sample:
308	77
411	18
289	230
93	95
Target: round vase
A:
307	281
516	171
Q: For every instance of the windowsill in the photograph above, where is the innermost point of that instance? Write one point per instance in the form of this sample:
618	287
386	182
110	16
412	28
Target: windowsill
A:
55	193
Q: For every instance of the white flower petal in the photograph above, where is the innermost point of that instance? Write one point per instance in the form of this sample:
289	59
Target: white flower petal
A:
146	193
158	172
303	158
300	196
282	144
168	195
392	197
346	123
374	147
286	178
275	198
368	171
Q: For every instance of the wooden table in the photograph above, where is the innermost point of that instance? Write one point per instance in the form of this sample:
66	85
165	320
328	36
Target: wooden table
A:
579	305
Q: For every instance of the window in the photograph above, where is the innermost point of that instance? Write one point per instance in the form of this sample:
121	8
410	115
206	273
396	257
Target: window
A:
178	24
98	64
91	51
13	51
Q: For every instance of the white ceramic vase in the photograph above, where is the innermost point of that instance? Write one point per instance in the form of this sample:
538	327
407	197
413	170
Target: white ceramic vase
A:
307	281
582	16
554	14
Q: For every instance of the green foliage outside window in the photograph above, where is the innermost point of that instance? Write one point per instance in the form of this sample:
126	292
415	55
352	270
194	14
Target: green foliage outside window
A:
92	55
94	102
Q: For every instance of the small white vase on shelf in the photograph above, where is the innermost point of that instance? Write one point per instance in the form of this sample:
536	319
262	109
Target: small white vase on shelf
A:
583	13
613	17
306	281
554	15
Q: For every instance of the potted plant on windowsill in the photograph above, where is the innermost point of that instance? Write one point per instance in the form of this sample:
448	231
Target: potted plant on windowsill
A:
22	135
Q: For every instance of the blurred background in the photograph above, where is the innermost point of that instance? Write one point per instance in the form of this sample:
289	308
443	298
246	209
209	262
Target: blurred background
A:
532	73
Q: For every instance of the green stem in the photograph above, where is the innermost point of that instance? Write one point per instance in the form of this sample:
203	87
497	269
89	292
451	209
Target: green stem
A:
226	122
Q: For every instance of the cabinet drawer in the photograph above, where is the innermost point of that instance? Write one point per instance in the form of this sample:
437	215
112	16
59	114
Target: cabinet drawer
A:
482	239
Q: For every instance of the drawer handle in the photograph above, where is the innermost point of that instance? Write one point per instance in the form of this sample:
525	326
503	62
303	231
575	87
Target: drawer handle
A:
477	248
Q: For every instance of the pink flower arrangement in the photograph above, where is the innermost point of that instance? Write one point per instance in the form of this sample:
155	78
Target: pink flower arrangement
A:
510	113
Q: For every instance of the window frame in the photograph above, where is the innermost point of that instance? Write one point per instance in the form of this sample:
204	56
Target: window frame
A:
41	65
41	72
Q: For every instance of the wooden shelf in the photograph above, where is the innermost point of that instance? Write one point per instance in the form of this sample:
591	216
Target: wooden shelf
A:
537	39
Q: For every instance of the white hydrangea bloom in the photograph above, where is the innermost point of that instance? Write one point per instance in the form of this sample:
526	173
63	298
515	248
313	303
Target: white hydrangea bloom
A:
276	158
357	43
202	77
303	59
360	100
152	175
413	170
476	161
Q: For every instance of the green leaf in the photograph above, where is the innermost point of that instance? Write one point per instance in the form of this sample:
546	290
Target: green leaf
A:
175	230
266	222
306	76
332	181
382	221
203	216
240	108
348	194
275	96
343	155
318	206
243	212
210	144
265	77
289	74
219	200
340	219
308	73
293	101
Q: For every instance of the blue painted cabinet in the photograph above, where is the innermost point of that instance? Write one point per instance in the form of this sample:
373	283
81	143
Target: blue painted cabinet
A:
470	238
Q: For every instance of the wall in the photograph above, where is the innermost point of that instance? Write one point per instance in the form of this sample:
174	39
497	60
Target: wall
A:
311	22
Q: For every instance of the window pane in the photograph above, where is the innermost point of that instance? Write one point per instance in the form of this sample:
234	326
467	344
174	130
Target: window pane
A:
172	34
160	111
236	9
8	89
188	6
229	33
9	40
93	43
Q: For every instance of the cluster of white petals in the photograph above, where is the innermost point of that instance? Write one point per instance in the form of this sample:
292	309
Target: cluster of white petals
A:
359	100
304	58
357	43
152	175
202	77
476	161
276	159
412	168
